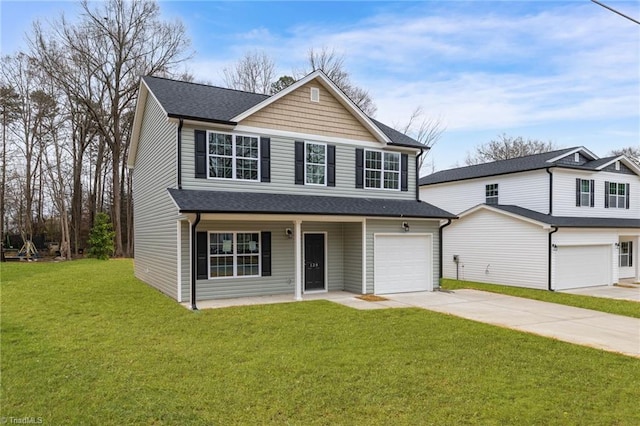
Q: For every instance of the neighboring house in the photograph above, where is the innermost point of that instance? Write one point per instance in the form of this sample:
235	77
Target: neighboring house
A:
558	220
241	194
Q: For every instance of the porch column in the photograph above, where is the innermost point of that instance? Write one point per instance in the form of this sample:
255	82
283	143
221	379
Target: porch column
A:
298	257
636	250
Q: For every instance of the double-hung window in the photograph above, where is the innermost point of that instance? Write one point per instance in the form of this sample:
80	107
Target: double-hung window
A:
585	192
491	193
382	170
234	254
617	195
626	254
315	163
233	156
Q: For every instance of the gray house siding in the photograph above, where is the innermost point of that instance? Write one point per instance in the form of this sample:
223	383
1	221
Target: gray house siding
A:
185	260
352	249
155	228
393	226
283	173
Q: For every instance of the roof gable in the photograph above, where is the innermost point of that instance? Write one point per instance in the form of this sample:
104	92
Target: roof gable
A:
297	112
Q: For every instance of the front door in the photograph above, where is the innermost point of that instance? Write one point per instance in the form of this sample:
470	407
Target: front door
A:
314	262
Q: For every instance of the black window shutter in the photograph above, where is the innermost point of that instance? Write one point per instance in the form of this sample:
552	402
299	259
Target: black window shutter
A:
404	172
331	165
592	186
265	238
578	192
265	159
606	195
359	167
628	195
201	256
299	163
200	138
630	253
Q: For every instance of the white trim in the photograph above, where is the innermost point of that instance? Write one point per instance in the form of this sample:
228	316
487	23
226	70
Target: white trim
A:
506	213
281	217
179	257
315	94
334	90
234	255
307	143
573	151
364	256
297	258
382	170
326	263
234	157
204	125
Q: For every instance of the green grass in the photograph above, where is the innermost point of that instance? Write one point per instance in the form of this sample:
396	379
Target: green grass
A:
619	307
84	342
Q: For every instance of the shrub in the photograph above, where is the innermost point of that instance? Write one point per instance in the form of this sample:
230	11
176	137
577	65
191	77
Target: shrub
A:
101	237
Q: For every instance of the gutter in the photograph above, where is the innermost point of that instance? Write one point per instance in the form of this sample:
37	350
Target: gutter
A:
555	229
440	247
194	261
180	124
548	170
204	120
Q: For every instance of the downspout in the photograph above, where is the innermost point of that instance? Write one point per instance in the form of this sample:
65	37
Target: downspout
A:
180	153
548	169
418	174
555	229
194	261
440	247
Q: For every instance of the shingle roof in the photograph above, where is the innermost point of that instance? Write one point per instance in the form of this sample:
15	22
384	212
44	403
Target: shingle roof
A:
216	104
513	165
571	222
192	100
193	201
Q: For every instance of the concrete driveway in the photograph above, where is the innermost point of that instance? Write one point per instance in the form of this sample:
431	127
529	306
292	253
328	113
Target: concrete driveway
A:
614	333
610	292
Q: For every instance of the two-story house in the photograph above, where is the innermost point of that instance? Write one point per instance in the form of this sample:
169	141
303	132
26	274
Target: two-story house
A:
242	194
558	220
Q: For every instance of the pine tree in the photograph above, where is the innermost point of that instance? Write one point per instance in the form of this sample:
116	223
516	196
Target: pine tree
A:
101	237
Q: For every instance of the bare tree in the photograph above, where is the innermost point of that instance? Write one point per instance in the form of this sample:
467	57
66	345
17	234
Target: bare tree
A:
114	42
254	72
631	152
9	108
506	147
332	64
426	130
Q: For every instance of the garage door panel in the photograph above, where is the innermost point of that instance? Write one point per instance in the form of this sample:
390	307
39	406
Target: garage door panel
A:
582	266
402	263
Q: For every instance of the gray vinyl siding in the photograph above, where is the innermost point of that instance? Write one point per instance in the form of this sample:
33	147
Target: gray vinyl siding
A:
352	248
185	259
155	214
282	278
395	226
283	173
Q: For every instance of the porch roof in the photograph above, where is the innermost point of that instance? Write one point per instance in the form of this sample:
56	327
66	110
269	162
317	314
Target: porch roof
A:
195	201
571	222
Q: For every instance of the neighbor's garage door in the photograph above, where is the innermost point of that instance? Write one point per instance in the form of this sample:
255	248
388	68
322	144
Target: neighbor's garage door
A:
402	263
582	266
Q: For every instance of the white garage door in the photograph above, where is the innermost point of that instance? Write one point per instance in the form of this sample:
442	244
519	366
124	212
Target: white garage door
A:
402	263
582	266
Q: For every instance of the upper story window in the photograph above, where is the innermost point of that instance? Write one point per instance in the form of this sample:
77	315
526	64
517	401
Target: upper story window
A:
234	254
315	163
585	192
491	193
616	195
233	156
382	170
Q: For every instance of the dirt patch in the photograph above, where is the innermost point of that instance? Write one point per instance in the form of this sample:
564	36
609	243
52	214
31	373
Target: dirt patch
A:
372	298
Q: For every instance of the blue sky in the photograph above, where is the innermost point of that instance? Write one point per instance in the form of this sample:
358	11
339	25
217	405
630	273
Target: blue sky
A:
568	72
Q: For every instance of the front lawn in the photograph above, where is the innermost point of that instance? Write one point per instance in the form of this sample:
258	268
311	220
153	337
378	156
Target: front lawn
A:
84	342
619	307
